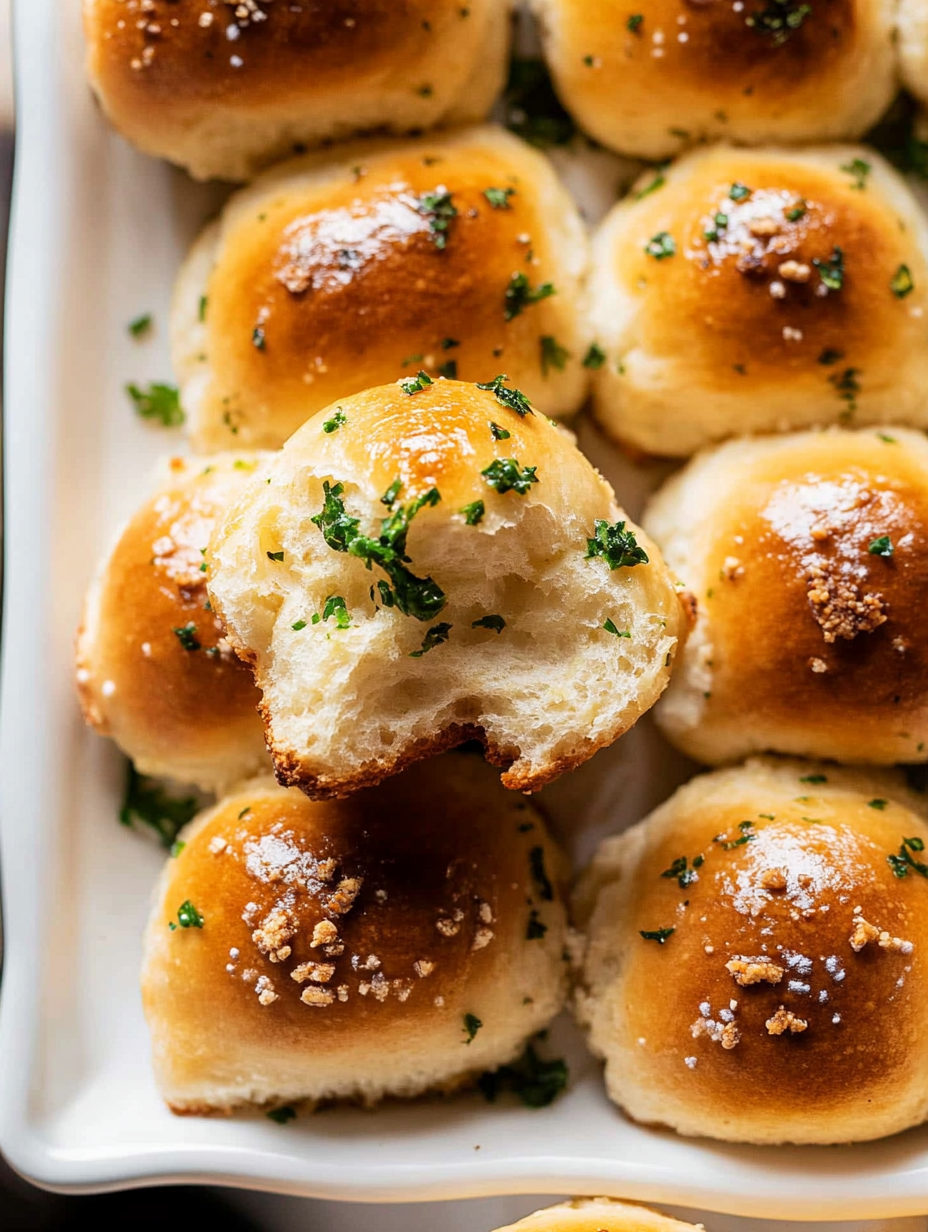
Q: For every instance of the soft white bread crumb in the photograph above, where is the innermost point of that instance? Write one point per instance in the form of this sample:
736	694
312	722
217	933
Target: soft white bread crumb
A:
345	707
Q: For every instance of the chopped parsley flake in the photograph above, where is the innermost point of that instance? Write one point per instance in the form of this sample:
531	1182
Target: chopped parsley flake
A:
738	192
536	863
204	303
187	916
336	422
813	778
433	637
278	556
553	355
489	622
298	625
335	606
881	546
389	497
859	170
149	805
473	513
141	325
414	596
797	211
779	20
616	545
532	108
414	384
535	1082
472	1025
187	636
282	1115
176	849
499	197
448	343
514	399
747	836
659	935
658	182
905	862
439	209
831	272
520	294
536	928
158	402
258	338
901	283
683	875
830	356
634	23
449	370
877	804
609	626
498	433
847	387
595	357
506	475
661	246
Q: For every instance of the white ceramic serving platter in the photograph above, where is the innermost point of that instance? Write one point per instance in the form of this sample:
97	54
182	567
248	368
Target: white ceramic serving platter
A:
98	233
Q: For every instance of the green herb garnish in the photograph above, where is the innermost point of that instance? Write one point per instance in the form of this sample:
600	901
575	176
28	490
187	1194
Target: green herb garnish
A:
141	325
634	23
535	1082
514	399
738	192
258	338
659	935
204	302
520	294
831	272
859	170
877	804
779	20
595	357
661	246
489	622
536	863
797	211
813	778
449	370
684	875
149	805
617	546
658	182
553	355
439	209
282	1115
499	197
414	384
433	637
336	422
335	606
505	475
498	433
472	1025
901	283
187	916
881	546
277	556
610	627
532	108
902	863
473	513
536	928
158	402
187	636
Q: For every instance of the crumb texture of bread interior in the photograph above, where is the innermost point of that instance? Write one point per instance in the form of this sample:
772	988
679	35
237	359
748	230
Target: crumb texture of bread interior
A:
808	553
413	570
352	267
597	1215
154	670
756	954
403	941
225	90
740	291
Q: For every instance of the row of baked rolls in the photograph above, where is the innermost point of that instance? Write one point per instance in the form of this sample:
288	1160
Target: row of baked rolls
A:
226	88
808	556
420	565
746	291
651	78
345	269
403	941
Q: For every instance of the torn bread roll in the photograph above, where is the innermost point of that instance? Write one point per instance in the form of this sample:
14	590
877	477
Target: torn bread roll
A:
154	671
225	88
429	563
808	556
461	254
755	957
354	949
757	291
652	79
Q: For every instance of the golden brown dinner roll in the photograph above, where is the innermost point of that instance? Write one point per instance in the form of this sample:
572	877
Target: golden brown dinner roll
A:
400	942
462	256
756	957
650	78
428	563
808	555
153	669
760	290
225	87
597	1215
912	42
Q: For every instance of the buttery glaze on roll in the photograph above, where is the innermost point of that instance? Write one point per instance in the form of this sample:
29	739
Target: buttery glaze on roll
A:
650	79
462	255
760	290
154	671
402	941
424	564
224	88
755	957
597	1215
808	555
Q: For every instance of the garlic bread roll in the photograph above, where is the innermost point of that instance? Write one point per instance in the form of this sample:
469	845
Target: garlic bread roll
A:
425	564
402	941
760	290
650	79
808	555
336	272
597	1215
756	957
225	88
153	669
